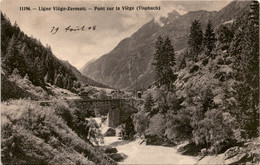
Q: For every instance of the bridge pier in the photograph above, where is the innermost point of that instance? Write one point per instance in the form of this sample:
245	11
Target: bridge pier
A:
114	117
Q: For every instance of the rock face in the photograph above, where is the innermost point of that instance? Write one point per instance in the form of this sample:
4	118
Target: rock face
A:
110	132
129	65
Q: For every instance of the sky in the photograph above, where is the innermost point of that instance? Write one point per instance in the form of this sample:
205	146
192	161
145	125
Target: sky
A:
80	47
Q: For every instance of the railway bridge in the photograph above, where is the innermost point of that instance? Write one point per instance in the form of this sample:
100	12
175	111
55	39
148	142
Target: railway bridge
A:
117	110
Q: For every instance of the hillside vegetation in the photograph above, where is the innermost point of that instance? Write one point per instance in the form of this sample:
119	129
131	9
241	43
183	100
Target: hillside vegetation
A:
36	134
30	57
33	134
10	90
211	99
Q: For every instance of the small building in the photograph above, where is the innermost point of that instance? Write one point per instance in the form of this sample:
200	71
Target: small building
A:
139	94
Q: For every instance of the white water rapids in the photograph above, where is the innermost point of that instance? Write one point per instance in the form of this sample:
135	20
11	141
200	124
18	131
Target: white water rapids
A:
144	154
148	154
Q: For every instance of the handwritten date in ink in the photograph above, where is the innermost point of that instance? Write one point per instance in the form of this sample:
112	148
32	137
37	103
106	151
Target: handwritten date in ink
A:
70	28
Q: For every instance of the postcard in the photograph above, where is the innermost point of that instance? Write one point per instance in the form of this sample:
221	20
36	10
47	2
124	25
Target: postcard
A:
129	82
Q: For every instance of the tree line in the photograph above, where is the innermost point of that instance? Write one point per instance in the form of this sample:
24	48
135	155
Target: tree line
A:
31	58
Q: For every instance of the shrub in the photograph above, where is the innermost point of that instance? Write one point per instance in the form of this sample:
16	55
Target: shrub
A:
141	122
220	61
205	62
157	126
27	85
179	125
128	129
194	69
212	130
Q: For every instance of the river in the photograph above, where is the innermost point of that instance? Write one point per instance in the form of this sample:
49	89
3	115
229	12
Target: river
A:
148	154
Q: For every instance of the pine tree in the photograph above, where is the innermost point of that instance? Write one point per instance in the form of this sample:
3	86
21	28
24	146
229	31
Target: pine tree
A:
195	39
164	61
149	102
11	47
183	63
245	51
254	12
158	64
225	36
9	59
209	38
169	51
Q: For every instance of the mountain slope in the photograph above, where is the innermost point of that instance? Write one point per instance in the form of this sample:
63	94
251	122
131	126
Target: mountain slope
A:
29	58
89	62
232	11
82	78
123	64
129	65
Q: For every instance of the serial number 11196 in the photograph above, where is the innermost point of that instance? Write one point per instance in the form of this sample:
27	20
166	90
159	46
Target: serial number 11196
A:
25	8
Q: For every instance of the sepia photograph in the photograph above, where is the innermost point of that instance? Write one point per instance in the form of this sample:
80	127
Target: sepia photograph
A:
148	82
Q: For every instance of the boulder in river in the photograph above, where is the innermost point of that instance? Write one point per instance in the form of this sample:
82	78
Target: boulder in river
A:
110	132
237	155
242	154
189	149
239	158
231	152
118	156
111	150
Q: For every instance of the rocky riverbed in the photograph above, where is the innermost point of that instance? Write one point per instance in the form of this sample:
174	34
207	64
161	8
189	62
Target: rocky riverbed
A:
147	154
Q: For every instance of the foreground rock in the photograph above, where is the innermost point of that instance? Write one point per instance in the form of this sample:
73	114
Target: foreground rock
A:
113	153
247	154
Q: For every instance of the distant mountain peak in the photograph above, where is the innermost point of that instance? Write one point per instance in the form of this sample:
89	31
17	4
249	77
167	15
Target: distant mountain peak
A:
180	9
161	21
